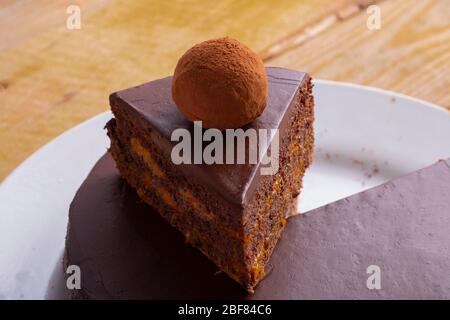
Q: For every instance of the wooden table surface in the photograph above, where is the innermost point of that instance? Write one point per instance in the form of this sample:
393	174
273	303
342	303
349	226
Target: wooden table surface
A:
52	78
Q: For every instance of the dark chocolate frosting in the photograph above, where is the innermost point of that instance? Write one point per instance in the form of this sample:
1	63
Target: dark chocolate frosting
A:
152	103
126	250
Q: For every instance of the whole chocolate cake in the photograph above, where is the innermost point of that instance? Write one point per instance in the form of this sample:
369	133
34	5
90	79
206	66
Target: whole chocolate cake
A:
126	250
168	185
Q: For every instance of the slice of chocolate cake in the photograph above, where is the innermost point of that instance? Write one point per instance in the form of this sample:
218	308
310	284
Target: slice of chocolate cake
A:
231	212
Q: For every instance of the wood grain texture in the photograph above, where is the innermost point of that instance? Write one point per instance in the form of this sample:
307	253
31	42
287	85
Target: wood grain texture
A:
410	54
52	78
21	20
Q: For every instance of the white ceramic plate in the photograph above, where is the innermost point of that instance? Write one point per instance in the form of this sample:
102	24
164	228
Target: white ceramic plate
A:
364	137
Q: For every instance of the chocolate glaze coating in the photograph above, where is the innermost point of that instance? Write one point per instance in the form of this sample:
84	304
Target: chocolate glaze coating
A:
151	103
126	250
220	82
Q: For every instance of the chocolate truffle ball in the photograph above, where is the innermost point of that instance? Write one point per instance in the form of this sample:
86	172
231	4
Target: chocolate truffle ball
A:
220	82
